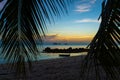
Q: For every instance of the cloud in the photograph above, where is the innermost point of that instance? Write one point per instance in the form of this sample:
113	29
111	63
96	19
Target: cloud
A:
84	6
49	37
87	21
92	1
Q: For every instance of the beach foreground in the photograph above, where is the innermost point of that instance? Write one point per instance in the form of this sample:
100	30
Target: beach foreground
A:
54	69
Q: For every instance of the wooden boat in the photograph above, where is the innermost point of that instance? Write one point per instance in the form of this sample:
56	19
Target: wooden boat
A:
64	55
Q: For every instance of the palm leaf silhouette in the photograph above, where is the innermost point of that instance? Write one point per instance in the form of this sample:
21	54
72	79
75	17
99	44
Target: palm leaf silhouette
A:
103	59
22	23
1	0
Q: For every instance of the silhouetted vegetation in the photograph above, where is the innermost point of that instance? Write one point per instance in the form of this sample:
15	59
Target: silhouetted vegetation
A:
68	50
103	59
21	23
24	21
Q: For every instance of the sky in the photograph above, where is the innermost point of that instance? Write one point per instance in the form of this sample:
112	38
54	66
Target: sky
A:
2	4
79	26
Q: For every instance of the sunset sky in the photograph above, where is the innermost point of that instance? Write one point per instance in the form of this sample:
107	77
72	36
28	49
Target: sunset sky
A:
79	26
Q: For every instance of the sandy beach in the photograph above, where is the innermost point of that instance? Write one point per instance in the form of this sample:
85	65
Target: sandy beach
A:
54	69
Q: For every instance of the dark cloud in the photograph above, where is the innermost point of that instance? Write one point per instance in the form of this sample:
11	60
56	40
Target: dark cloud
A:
51	36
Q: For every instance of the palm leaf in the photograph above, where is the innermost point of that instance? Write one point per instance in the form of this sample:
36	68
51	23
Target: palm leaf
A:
22	24
103	59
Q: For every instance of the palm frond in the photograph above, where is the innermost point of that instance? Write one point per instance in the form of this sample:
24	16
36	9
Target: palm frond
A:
22	23
1	0
103	59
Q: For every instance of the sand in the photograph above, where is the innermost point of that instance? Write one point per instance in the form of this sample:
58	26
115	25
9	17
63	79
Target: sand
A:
54	69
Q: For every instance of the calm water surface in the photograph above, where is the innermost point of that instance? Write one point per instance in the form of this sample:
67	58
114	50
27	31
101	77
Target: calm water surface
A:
44	56
56	55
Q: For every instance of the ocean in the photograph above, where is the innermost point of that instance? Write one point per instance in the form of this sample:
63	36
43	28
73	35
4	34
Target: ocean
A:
44	56
56	55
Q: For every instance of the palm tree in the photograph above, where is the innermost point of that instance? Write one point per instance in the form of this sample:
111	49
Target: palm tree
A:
22	23
103	59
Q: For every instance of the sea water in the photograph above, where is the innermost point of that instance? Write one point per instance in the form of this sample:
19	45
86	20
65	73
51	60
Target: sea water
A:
56	55
44	56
